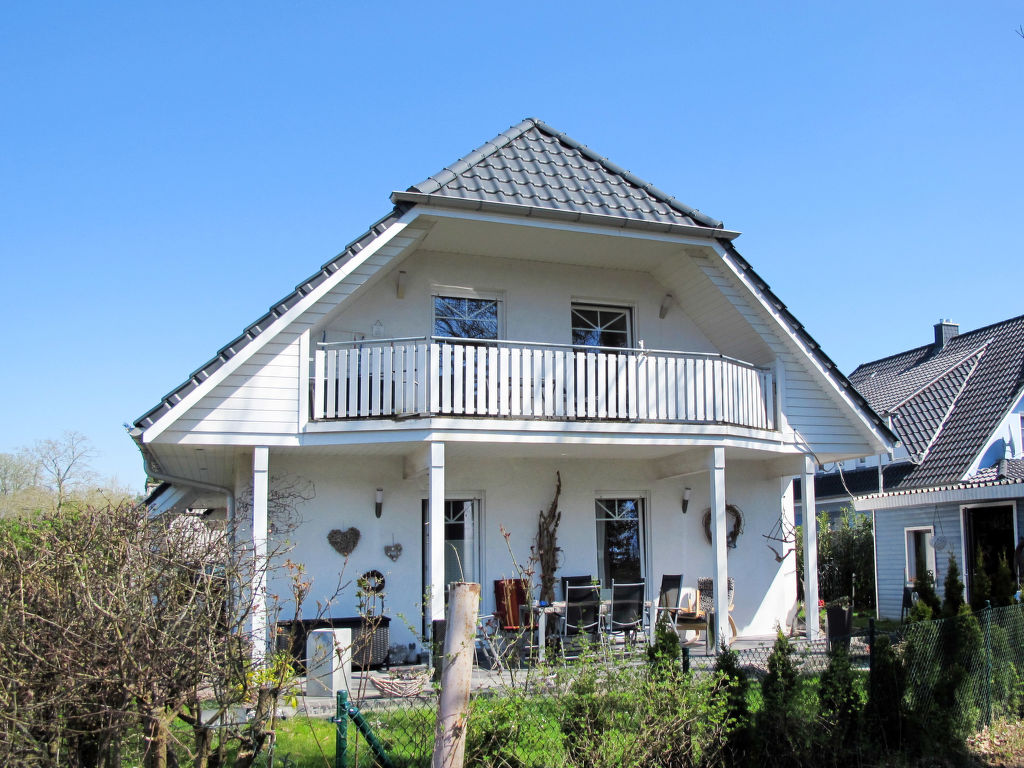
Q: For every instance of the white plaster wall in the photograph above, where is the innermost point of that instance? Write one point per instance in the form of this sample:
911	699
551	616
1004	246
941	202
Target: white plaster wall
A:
536	298
513	492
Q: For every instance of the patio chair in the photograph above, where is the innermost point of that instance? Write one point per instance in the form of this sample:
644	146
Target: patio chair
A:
582	620
509	603
680	606
626	615
706	588
575	581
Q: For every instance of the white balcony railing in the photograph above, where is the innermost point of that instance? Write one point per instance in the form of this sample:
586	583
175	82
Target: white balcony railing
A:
504	379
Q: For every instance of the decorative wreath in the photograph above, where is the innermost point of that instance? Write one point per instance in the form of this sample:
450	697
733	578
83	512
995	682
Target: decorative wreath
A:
732	514
372	582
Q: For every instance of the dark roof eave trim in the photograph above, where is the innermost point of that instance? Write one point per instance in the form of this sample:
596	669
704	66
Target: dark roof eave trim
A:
554	214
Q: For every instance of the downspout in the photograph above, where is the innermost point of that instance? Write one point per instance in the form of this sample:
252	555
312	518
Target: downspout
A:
147	462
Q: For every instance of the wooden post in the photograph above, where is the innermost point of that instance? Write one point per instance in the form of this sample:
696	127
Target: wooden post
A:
456	676
260	533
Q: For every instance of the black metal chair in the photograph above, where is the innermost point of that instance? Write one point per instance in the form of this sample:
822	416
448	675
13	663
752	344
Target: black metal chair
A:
575	581
582	620
626	615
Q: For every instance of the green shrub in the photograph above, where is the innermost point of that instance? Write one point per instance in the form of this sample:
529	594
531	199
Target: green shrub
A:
782	734
840	706
953	589
884	715
981	583
1003	583
740	725
925	587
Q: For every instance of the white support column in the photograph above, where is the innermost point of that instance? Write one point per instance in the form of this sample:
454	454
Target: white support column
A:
719	552
810	549
260	489
435	529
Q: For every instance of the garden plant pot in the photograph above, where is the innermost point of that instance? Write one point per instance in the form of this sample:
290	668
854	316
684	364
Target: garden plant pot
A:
839	623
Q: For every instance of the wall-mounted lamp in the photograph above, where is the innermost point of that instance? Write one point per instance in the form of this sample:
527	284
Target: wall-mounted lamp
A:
686	498
666	304
379	506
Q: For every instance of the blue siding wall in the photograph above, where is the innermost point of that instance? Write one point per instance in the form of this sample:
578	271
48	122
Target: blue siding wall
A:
891	555
890	550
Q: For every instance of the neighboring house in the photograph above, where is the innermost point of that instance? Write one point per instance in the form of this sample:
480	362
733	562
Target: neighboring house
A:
532	308
956	482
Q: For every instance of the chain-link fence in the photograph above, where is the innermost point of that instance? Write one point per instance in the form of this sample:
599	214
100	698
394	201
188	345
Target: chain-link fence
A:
948	676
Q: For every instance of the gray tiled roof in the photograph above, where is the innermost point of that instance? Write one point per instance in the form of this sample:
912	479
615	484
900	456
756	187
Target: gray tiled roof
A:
945	403
535	166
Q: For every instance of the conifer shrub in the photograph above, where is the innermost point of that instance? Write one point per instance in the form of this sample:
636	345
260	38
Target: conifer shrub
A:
782	734
953	589
884	712
840	706
739	740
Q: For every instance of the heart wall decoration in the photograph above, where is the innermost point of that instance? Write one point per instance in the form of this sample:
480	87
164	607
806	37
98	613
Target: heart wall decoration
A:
394	551
344	542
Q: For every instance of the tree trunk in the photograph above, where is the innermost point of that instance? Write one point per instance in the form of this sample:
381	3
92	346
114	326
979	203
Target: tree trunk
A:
255	736
155	731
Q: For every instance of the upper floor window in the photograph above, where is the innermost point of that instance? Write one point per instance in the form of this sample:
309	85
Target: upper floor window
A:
601	326
465	317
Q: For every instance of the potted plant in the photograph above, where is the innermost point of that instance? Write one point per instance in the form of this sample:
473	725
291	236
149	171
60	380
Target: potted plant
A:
839	621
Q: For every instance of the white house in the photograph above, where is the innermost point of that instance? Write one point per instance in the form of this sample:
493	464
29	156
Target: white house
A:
532	308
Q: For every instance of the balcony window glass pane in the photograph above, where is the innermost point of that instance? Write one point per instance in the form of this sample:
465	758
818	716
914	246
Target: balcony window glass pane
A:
595	326
465	318
620	540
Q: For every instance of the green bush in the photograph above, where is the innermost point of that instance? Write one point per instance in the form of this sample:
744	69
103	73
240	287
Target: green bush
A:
782	734
840	705
884	713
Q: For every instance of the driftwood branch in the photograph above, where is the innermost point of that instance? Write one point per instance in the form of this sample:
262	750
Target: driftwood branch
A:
546	544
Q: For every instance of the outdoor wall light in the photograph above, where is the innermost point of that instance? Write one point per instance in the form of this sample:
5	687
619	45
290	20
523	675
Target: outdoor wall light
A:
379	505
666	305
686	498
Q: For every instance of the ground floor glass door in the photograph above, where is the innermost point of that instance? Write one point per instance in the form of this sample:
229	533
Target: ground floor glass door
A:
461	548
988	535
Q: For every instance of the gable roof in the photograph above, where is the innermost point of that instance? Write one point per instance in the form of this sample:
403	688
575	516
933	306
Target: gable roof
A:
533	166
945	403
533	170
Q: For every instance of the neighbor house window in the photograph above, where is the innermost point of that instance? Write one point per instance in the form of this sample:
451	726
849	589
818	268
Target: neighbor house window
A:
620	540
599	326
466	318
920	552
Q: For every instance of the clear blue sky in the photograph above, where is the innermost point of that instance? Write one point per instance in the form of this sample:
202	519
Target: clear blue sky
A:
169	170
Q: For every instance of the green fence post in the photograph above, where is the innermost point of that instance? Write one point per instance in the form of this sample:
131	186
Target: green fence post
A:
340	721
686	659
871	658
988	662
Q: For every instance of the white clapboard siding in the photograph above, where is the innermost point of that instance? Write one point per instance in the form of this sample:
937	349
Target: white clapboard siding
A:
392	378
261	395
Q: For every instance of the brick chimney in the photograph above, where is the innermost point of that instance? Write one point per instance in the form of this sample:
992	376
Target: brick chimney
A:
944	331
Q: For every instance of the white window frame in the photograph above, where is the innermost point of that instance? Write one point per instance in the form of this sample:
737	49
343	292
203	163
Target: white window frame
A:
607	305
461	292
929	549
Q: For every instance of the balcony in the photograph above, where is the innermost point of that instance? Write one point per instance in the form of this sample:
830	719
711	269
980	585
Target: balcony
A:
431	376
